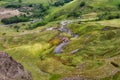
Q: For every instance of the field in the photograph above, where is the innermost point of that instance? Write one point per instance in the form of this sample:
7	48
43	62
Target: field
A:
92	51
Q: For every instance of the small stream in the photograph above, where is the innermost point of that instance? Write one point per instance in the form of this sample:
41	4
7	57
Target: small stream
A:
59	49
63	28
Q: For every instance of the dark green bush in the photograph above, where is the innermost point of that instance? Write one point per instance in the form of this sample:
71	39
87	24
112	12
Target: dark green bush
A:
16	28
35	25
82	4
67	1
15	19
74	14
13	6
61	2
118	6
30	5
40	10
20	1
58	3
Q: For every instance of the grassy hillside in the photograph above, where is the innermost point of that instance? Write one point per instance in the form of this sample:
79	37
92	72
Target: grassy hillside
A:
90	6
92	51
98	45
78	8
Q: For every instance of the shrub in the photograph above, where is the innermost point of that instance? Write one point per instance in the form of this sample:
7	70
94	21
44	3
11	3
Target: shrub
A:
3	33
67	1
74	14
13	6
118	6
20	1
61	2
40	10
17	28
14	19
30	5
35	25
82	4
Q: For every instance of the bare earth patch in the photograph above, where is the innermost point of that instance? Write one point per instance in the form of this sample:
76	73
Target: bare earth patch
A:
6	13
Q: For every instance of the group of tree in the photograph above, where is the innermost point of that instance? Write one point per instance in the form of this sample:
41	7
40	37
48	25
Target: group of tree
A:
40	10
74	14
15	19
20	1
119	6
17	5
61	2
82	4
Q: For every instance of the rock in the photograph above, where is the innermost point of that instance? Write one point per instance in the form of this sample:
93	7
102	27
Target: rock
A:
12	70
75	36
74	51
49	29
70	32
105	29
59	49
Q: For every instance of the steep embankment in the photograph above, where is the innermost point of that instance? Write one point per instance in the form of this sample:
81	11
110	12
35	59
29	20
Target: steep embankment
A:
12	70
92	50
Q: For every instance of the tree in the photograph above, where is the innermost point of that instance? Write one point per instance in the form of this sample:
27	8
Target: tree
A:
118	6
17	28
82	4
20	1
15	19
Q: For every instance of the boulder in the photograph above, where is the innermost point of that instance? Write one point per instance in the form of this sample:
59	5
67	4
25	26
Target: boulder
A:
11	69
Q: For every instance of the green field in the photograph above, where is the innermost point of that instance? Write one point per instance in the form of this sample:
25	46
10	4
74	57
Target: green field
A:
93	54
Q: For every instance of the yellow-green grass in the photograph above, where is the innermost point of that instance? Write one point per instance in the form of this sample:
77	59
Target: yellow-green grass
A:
27	38
35	58
29	57
6	31
95	43
2	2
29	48
106	3
113	23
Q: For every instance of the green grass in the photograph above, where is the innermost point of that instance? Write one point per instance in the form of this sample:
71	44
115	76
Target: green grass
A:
2	2
112	23
98	44
34	50
95	45
62	12
99	3
29	57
